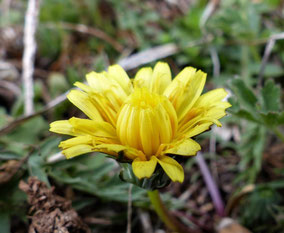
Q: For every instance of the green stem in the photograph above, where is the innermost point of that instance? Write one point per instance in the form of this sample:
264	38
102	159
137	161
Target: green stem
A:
278	134
164	215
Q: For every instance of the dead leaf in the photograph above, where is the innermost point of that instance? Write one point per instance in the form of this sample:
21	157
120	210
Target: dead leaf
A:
228	225
50	212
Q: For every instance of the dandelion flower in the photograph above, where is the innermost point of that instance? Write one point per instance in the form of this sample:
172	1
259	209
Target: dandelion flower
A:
149	119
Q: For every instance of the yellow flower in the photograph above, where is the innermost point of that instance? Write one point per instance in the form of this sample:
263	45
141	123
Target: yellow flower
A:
149	118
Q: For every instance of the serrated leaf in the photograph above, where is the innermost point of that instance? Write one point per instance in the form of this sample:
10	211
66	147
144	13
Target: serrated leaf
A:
245	95
259	144
270	94
272	119
251	149
244	114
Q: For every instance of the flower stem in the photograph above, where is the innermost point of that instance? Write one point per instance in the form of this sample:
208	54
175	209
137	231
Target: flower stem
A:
164	214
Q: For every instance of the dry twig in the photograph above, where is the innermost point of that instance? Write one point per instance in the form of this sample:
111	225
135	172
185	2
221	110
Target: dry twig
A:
87	30
9	169
23	119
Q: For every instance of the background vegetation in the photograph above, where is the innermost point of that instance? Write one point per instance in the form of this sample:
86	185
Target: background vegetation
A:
226	39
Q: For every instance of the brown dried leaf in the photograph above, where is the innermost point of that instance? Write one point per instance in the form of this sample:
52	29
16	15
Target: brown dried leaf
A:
51	213
8	170
228	225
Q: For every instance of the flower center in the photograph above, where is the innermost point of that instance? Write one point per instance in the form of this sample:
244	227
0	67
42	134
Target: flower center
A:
146	121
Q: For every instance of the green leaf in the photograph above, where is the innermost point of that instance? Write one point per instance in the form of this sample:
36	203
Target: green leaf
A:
115	189
36	167
4	222
272	119
251	149
94	175
245	95
244	114
30	131
49	146
7	155
270	94
271	70
277	184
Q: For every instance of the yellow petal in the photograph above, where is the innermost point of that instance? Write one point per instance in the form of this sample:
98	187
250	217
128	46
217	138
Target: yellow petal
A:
117	73
208	108
175	90
191	93
207	117
83	87
149	134
77	150
122	123
91	127
109	88
172	168
161	78
76	141
132	128
200	115
185	147
184	76
97	81
163	124
114	149
211	97
144	169
82	101
105	107
172	114
198	129
143	78
216	112
63	127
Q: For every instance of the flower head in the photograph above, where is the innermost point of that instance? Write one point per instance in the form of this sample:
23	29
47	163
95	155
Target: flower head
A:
149	118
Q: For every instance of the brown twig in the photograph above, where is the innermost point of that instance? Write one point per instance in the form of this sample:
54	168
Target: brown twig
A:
87	30
97	221
11	167
13	88
23	119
